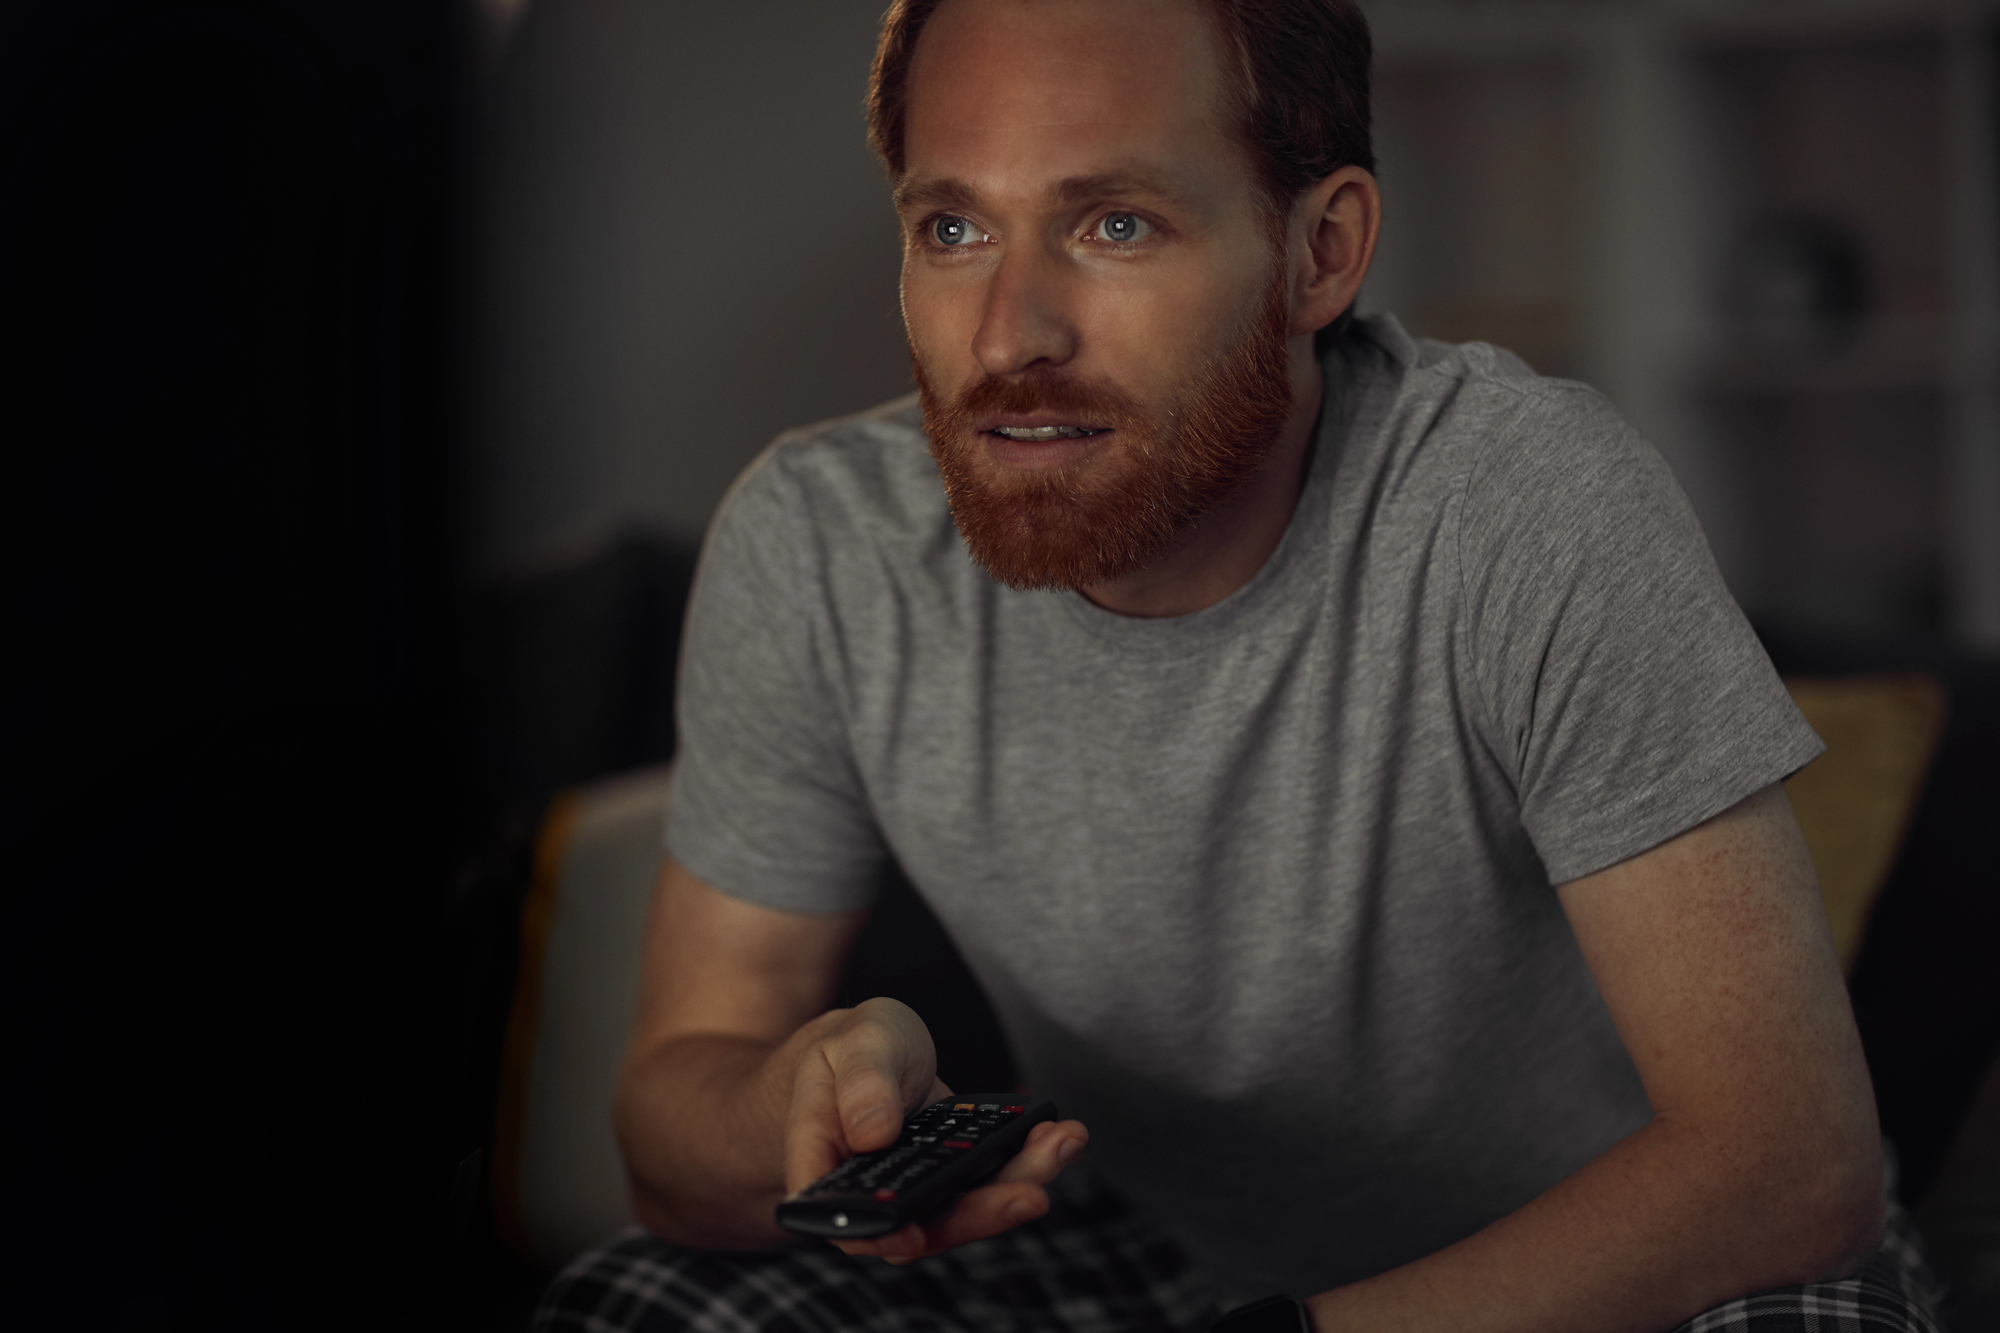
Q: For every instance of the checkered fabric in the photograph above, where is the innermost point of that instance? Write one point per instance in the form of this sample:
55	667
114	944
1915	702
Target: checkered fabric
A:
1090	1266
1894	1292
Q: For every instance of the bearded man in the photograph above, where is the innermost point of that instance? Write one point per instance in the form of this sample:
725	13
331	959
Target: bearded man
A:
1334	752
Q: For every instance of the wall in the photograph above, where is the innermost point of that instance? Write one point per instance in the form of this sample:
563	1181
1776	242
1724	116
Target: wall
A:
687	249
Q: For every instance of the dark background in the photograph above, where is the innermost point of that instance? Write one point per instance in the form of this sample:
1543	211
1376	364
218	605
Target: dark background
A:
368	371
227	278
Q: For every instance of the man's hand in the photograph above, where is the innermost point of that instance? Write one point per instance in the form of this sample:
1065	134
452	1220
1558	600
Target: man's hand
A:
868	1068
740	1087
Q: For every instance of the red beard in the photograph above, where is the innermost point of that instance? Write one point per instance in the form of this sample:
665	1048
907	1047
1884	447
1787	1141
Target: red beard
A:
1082	526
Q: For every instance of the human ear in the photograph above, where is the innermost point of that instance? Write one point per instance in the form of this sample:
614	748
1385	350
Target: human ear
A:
1333	228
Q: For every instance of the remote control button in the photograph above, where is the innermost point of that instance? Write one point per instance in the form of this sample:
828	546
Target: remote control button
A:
954	1143
840	1219
885	1195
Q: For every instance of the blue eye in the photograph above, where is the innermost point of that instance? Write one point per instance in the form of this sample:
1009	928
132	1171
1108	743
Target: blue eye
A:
1123	228
953	231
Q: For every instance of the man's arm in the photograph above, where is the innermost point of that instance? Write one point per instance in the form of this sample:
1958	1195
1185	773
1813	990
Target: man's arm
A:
740	1087
1762	1164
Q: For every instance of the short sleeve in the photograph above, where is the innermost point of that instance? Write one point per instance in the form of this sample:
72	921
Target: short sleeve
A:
767	806
1623	689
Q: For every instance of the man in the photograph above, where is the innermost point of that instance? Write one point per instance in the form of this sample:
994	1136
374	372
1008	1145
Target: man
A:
1336	755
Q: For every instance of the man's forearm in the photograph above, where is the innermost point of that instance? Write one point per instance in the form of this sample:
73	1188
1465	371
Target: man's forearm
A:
1668	1223
701	1121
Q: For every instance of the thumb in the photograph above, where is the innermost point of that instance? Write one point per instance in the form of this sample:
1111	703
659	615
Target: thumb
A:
883	1065
871	1107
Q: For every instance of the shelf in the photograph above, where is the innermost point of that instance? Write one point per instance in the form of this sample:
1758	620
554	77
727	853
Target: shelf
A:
1662	197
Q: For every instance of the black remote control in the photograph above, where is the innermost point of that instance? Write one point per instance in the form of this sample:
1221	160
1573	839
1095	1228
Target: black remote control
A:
944	1150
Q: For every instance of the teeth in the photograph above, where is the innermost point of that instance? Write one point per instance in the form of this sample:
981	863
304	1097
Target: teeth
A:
1043	432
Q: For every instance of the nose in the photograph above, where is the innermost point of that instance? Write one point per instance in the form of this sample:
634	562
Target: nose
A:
1026	318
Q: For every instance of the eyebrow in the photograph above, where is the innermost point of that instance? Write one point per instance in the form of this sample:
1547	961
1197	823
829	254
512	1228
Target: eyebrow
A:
1078	189
933	192
945	192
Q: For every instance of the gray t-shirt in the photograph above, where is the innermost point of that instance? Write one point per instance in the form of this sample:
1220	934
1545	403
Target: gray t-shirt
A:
1262	894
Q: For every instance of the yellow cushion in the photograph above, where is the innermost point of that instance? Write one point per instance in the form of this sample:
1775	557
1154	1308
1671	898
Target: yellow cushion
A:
1855	801
558	1180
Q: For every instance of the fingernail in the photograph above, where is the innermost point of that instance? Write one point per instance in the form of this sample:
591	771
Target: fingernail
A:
1067	1153
1016	1212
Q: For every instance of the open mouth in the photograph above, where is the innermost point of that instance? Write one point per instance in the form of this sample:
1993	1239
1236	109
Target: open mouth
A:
1048	432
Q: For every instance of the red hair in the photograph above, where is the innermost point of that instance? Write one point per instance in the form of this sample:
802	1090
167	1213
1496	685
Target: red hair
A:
1299	95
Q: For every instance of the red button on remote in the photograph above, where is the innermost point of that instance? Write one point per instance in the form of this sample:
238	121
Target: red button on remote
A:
955	1143
885	1195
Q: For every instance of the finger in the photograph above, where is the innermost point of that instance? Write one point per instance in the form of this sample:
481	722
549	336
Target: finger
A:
870	1106
915	1055
1015	1196
1051	1146
882	1064
986	1211
814	1143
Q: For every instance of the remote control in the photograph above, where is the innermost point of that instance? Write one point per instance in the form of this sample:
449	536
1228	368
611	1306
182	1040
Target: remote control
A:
944	1150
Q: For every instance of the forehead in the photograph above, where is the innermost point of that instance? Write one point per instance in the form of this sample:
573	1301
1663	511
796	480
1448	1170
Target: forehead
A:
1006	95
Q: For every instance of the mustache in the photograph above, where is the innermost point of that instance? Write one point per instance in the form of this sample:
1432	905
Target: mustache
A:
1049	389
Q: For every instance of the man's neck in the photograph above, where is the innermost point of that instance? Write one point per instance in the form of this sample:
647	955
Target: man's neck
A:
1226	546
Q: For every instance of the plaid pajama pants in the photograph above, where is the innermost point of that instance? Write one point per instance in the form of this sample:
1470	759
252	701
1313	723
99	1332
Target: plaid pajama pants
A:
1090	1266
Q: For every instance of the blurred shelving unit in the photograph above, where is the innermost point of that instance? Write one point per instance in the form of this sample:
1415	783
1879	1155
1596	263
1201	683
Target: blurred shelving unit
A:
1767	230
